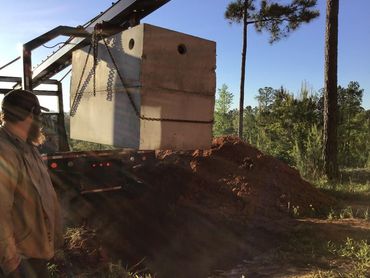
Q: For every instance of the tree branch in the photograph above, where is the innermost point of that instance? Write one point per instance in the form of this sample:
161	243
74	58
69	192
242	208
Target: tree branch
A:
268	19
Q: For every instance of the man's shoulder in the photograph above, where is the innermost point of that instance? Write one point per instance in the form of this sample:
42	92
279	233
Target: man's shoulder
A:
7	147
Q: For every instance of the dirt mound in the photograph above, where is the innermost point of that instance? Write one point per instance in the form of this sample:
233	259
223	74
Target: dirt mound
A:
266	185
203	208
235	178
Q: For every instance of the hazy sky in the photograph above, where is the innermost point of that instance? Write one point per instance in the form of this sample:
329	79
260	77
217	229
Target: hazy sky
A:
289	62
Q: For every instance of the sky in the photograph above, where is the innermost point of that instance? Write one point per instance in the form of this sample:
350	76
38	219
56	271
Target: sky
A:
291	62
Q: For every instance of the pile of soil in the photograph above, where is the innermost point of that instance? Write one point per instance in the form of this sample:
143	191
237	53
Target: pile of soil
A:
266	186
202	209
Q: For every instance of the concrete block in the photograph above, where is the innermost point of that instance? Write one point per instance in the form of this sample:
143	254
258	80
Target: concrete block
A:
169	75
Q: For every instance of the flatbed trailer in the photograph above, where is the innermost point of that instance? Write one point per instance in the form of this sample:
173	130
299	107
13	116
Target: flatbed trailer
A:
90	172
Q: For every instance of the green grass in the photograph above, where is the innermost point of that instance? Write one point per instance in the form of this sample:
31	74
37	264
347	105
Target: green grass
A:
347	191
349	213
348	259
352	256
354	185
356	259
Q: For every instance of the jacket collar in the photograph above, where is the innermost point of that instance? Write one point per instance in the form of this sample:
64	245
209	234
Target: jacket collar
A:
24	146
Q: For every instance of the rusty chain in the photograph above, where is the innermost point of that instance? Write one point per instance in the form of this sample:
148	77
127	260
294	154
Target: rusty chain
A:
79	93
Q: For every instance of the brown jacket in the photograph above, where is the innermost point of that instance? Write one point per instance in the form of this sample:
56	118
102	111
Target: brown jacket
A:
30	222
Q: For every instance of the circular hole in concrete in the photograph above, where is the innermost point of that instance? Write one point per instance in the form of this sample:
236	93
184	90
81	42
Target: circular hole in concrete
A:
181	48
131	44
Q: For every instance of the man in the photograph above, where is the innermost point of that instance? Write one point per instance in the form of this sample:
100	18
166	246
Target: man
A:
30	222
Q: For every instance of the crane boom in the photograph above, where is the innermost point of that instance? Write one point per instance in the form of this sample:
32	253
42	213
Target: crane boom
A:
121	15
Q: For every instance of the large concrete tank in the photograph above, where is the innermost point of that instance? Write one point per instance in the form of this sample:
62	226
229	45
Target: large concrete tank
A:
169	75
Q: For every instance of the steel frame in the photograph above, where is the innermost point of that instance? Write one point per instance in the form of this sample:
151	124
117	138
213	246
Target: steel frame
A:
121	15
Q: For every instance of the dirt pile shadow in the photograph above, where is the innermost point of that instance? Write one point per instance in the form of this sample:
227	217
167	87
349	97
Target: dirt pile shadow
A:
202	209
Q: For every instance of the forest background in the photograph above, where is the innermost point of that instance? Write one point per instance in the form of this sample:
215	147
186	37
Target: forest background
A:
290	127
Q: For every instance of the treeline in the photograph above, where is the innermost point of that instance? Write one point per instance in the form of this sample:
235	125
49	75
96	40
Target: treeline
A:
290	127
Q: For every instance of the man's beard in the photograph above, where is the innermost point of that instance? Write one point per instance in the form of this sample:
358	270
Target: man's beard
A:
35	135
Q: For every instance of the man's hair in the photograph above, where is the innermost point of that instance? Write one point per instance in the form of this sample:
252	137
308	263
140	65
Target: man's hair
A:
1	118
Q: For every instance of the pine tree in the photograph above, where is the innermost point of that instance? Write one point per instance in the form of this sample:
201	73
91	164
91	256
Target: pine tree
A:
223	116
330	91
278	19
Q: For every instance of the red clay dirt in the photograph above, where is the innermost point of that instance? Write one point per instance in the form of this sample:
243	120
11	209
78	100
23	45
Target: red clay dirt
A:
203	209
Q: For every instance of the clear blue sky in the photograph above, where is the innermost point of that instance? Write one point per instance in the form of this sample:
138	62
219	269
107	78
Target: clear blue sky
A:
289	62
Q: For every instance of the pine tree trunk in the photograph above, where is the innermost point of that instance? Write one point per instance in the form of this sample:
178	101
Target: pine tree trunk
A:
242	78
330	95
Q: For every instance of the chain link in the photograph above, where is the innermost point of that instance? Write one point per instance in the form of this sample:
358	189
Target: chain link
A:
79	93
95	43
